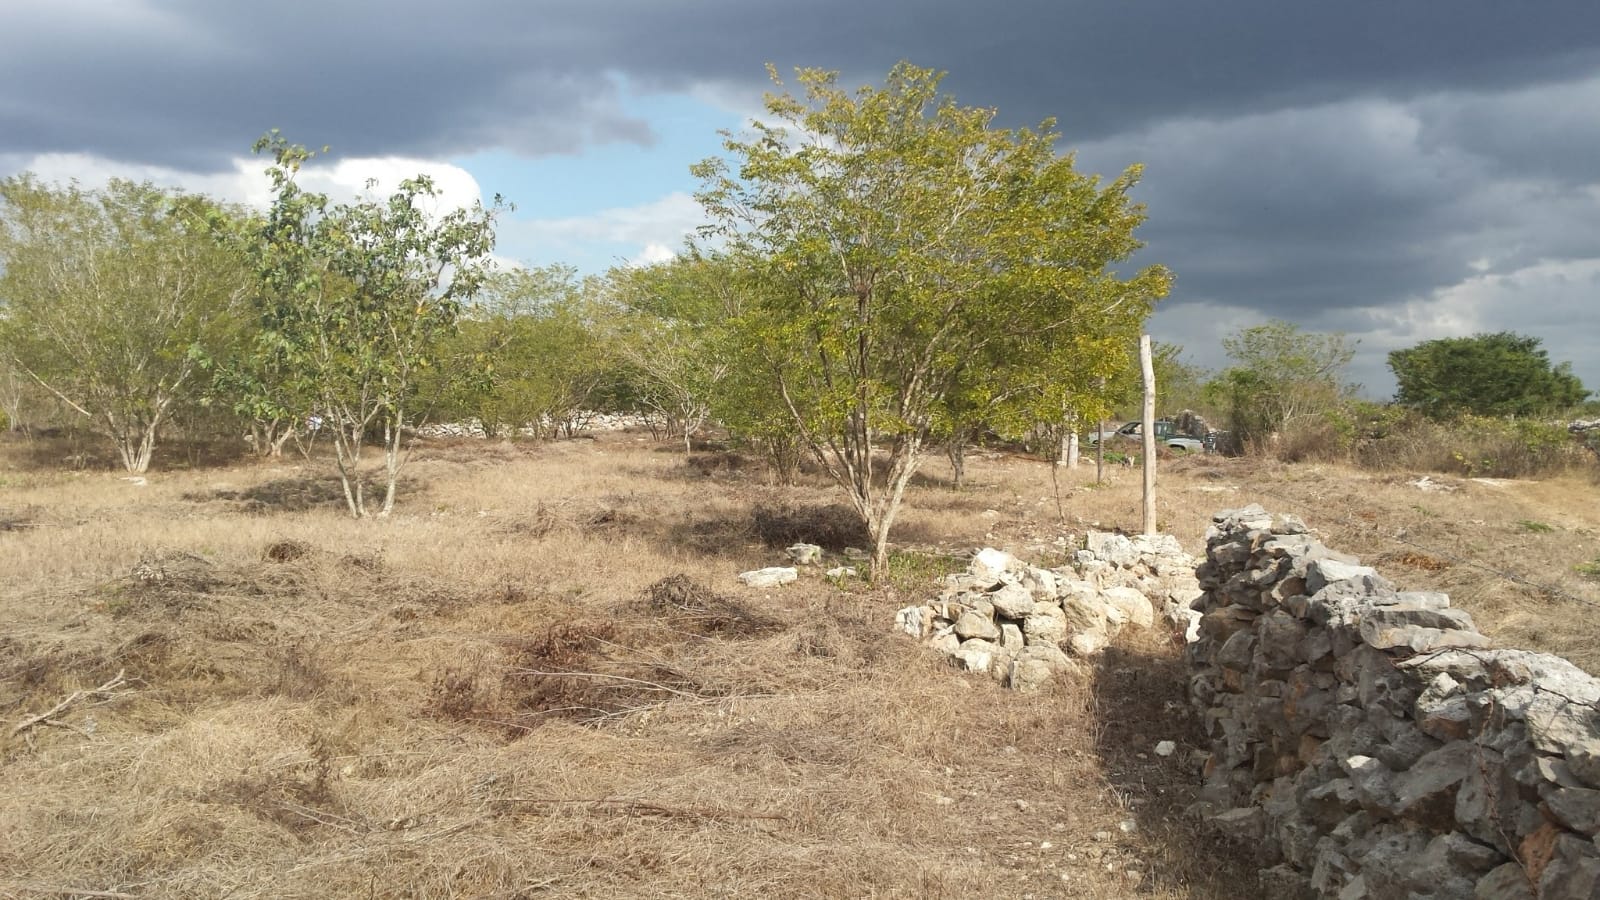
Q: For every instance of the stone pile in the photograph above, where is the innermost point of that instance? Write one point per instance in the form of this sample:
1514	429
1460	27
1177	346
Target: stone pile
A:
585	421
1024	625
1367	743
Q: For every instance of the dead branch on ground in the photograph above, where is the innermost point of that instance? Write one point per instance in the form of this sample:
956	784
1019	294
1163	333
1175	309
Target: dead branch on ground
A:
44	718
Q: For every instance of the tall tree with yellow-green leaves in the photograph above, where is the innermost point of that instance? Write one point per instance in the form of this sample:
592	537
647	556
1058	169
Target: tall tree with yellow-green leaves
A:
897	238
110	298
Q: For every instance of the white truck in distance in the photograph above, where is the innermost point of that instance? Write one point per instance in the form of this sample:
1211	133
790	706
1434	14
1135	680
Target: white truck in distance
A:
1166	435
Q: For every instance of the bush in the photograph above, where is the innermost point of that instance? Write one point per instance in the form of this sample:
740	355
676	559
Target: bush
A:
1474	446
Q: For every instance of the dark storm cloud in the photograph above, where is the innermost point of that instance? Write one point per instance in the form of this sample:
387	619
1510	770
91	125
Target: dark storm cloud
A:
1305	160
186	82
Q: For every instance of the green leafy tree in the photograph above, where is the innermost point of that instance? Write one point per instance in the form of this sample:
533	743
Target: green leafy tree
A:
528	354
355	299
895	237
1281	378
111	297
1502	374
669	327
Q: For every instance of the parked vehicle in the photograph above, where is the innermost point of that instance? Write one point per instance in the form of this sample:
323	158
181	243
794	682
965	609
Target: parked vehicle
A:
1166	435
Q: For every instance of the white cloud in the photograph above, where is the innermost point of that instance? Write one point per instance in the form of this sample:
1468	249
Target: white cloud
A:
652	254
1553	300
247	182
648	232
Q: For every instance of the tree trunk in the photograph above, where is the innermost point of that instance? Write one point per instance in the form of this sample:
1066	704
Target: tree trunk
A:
135	442
347	457
392	431
957	451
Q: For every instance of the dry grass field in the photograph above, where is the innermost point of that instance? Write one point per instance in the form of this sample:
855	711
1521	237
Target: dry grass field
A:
540	678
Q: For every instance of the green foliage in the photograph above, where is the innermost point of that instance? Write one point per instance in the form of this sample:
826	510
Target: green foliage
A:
527	354
1502	374
354	299
1590	570
912	268
1477	446
1535	527
1285	380
670	324
110	299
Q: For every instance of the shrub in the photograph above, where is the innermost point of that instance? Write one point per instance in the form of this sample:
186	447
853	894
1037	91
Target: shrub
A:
1474	446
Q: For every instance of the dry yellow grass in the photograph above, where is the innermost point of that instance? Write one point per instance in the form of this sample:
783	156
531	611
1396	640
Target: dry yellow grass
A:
483	697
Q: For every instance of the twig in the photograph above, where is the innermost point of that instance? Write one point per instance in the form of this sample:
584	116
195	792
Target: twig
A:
59	708
652	809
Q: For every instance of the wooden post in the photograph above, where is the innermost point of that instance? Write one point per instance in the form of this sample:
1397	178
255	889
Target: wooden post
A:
1147	368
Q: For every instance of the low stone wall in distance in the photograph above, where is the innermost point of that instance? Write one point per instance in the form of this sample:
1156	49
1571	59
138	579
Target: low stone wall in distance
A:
1368	742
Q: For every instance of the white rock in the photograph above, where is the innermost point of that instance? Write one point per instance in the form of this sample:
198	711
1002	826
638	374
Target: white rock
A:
1134	605
772	576
1166	748
977	655
990	564
1049	654
1030	675
976	625
805	554
912	621
1088	643
1013	601
1041	581
841	572
1112	548
1011	637
1047	625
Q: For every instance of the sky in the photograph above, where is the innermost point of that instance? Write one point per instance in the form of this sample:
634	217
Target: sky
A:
1395	170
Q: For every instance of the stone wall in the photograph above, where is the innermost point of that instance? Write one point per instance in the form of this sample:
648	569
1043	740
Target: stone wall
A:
1024	625
1367	742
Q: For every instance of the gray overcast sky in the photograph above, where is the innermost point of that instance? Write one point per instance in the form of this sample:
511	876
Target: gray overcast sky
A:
1397	170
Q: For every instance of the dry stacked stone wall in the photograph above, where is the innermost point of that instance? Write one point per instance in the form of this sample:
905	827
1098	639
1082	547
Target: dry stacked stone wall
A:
1369	744
1025	625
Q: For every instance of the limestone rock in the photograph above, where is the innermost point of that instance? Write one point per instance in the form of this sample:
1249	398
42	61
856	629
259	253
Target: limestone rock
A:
1046	625
1508	881
771	576
1088	643
1133	605
990	564
805	554
973	624
977	655
914	621
1112	548
1012	600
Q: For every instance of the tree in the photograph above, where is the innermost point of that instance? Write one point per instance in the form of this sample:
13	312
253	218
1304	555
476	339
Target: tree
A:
356	297
1502	374
893	237
528	354
669	328
1281	377
111	297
